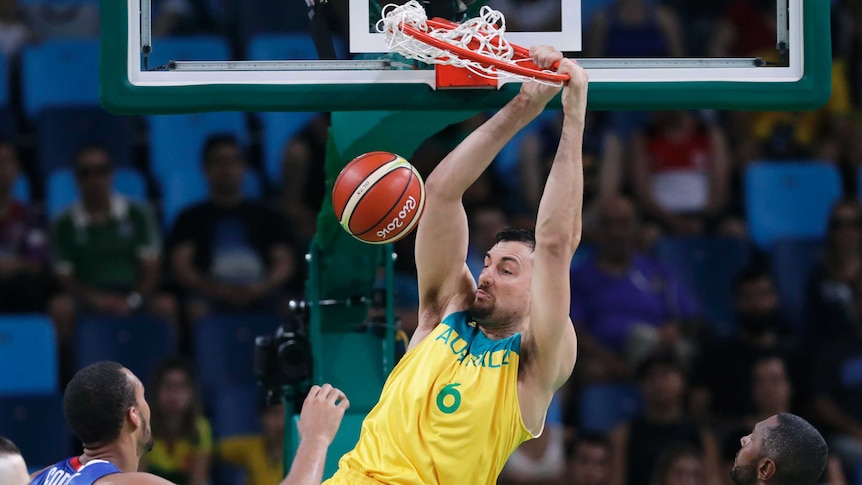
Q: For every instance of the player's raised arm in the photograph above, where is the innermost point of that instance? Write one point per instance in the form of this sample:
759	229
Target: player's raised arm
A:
442	236
558	233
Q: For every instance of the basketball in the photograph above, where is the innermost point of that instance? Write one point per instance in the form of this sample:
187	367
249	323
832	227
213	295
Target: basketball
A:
378	197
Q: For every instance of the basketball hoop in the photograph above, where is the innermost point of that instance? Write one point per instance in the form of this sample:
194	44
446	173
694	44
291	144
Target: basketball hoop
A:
477	45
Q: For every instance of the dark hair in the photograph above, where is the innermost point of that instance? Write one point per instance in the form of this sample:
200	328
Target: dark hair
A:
798	450
96	401
524	236
188	422
7	447
215	141
665	357
589	438
668	457
750	274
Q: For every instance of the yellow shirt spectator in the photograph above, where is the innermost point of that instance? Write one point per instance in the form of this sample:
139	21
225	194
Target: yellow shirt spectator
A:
174	462
249	453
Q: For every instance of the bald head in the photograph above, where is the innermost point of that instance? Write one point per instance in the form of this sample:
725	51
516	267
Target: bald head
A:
13	470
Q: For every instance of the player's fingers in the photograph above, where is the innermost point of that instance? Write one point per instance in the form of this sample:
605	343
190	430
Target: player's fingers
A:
333	395
315	389
344	404
546	56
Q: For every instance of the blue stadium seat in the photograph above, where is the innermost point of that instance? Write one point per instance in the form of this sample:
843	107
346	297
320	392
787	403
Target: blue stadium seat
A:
278	129
21	188
235	411
604	406
62	132
707	267
60	73
224	348
61	191
37	426
178	140
28	355
791	261
187	186
196	48
789	199
138	342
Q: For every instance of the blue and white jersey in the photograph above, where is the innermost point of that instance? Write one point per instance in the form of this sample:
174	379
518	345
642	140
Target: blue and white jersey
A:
71	472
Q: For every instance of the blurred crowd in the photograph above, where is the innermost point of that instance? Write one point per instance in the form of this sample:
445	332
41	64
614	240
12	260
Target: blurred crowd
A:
688	389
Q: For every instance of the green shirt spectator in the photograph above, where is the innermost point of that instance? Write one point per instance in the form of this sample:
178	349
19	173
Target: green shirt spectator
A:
106	254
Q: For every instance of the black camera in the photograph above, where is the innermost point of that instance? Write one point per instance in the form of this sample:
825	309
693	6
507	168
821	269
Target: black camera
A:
283	361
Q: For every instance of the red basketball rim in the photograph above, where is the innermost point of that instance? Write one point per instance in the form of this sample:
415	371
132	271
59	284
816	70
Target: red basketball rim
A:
526	68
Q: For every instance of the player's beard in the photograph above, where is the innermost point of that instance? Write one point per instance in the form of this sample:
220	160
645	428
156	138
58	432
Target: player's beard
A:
480	310
744	474
147	434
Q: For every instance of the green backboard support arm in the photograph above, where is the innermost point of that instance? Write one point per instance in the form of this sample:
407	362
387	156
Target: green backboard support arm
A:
354	358
119	95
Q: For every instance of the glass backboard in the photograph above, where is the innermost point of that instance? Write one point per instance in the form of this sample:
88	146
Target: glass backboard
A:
346	67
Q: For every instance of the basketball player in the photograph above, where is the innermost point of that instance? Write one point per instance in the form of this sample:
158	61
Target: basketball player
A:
13	470
485	360
781	450
105	408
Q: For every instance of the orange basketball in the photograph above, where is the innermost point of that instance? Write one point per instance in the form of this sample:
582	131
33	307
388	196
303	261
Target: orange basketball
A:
378	197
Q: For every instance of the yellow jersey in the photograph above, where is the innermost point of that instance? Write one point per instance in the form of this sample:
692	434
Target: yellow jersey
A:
448	413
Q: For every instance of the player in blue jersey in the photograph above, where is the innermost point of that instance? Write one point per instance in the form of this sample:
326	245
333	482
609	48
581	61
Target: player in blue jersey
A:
105	407
13	470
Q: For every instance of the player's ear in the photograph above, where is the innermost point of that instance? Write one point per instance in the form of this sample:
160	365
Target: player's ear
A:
134	416
765	469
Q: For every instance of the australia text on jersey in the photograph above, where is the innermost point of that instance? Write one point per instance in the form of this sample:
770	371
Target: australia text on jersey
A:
492	358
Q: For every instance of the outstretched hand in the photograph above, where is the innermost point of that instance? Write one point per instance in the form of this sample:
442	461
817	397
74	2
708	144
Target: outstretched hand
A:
322	413
545	57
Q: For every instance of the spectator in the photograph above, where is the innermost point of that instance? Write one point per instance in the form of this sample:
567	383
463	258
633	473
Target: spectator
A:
23	244
540	461
107	250
635	28
830	285
638	443
13	470
182	439
746	29
721	388
261	456
14	31
836	384
303	179
624	303
229	253
590	460
679	465
681	172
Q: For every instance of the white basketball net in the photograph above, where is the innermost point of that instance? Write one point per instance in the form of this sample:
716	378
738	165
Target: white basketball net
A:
486	31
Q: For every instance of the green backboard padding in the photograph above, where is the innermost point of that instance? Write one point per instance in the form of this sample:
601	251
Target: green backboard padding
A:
354	364
345	440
